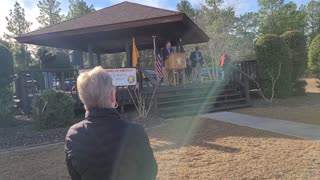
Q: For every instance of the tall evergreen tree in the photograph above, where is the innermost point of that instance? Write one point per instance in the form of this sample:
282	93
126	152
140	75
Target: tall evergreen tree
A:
218	24
185	7
79	8
247	24
313	14
16	22
246	31
276	17
214	3
50	12
16	26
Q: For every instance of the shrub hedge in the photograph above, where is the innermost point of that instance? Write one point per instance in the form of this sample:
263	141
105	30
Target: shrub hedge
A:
6	107
60	60
6	65
53	109
298	45
314	56
272	52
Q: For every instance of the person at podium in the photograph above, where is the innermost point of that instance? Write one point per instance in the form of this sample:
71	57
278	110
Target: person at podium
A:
166	51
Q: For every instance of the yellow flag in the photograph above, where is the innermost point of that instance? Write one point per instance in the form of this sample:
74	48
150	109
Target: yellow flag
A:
135	53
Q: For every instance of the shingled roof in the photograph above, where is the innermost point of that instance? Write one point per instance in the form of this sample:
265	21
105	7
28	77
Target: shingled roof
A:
119	13
108	28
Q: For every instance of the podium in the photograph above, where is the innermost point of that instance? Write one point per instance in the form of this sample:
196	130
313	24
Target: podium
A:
176	63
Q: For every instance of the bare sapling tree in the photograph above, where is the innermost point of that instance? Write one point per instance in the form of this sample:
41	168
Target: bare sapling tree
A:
273	85
274	79
142	104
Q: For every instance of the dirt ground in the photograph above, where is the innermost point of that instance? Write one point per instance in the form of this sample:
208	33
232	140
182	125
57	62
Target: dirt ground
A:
305	109
194	149
313	85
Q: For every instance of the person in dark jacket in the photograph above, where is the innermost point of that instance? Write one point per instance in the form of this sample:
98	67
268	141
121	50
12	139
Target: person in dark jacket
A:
197	62
104	146
165	53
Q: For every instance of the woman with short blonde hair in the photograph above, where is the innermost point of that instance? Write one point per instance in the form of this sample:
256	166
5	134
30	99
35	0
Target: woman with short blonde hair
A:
96	90
104	146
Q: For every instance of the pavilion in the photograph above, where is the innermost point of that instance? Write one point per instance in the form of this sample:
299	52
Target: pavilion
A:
110	30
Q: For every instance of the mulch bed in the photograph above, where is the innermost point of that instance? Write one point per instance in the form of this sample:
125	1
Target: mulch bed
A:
22	133
26	135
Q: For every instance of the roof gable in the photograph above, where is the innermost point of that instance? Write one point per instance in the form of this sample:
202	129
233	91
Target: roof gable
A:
119	13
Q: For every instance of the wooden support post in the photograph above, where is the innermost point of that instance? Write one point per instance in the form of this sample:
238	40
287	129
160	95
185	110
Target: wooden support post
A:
122	100
62	81
81	60
183	77
90	51
24	93
247	89
174	77
99	59
129	52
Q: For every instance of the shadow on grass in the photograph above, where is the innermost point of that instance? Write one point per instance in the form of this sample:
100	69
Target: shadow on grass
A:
186	132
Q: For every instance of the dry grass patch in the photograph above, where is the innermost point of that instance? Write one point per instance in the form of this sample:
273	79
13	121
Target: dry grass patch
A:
313	85
203	149
194	149
304	109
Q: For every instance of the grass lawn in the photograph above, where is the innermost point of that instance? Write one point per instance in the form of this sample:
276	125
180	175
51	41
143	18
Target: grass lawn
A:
305	109
193	149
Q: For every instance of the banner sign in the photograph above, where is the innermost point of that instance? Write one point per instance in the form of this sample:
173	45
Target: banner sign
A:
121	76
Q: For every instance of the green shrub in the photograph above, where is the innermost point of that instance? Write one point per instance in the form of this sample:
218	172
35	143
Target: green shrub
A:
53	109
299	88
314	56
272	52
6	65
60	60
6	107
298	45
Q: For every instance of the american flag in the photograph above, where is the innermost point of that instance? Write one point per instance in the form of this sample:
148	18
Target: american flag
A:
159	66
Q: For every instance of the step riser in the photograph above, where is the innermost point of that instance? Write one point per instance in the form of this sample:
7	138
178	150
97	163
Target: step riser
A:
197	101
193	95
195	113
204	106
187	90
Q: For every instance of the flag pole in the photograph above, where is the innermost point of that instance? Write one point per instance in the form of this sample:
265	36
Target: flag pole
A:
154	54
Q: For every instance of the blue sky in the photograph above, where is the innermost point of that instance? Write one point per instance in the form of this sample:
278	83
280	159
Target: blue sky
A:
241	5
32	11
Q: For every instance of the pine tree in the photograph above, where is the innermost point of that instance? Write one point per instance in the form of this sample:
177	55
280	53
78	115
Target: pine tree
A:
79	8
16	22
185	7
214	3
277	17
49	12
313	14
16	26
